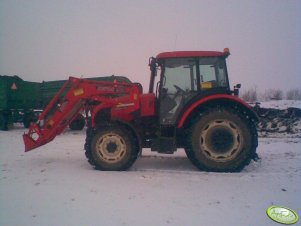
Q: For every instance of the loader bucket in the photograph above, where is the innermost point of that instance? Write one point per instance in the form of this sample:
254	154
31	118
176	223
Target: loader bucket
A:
35	138
29	143
57	115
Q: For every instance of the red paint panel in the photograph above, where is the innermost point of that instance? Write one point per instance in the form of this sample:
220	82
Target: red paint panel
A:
147	104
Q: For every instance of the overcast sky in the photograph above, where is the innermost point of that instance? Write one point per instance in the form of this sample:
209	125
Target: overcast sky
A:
53	39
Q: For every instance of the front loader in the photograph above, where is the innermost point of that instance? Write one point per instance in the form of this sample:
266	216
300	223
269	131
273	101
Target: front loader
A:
191	106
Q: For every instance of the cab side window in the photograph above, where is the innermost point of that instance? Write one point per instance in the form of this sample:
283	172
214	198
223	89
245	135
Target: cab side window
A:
212	73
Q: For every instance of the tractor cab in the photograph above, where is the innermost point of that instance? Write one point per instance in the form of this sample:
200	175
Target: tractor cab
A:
185	77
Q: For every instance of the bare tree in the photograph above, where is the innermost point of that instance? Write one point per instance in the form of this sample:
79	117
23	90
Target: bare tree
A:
250	95
294	94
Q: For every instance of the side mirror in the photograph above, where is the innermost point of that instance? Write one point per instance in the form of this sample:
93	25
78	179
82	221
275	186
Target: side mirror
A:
237	86
236	89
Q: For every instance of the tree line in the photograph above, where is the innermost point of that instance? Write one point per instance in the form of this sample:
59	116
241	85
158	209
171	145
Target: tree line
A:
252	95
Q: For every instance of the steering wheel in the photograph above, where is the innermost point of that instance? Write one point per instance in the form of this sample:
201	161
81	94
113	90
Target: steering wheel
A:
179	90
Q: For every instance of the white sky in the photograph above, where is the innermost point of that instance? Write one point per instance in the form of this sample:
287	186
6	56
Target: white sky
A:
51	40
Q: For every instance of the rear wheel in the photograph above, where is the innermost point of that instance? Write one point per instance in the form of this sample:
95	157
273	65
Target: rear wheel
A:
28	118
221	141
113	148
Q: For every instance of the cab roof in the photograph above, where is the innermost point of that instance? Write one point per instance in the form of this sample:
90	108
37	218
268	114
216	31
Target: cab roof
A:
178	54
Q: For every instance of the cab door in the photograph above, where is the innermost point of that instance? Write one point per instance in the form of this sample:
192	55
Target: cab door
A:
179	83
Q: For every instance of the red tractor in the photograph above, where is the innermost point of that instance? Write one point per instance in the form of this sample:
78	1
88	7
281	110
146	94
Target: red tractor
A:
192	107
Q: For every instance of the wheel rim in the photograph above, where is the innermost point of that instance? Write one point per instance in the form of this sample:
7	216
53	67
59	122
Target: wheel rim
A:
220	140
111	147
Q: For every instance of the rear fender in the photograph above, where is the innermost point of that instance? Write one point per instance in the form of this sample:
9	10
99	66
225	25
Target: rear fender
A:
222	100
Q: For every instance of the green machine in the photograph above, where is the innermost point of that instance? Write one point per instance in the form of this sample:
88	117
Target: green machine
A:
18	101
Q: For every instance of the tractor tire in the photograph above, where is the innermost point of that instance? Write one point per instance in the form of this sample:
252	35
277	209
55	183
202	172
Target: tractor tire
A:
112	149
221	140
3	122
78	123
28	118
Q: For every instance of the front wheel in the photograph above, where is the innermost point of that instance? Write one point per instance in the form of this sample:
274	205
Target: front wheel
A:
113	148
221	141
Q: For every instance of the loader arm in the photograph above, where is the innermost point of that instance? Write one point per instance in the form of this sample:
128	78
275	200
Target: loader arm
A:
73	97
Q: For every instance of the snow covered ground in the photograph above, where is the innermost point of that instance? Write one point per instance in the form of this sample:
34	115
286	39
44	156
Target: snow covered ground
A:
55	185
280	104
